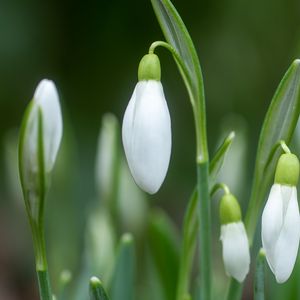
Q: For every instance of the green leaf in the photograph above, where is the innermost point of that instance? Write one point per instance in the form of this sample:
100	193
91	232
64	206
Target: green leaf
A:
123	281
217	161
188	63
163	242
97	291
190	229
279	124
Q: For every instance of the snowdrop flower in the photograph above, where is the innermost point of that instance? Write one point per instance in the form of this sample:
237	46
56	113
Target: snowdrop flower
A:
280	219
236	255
146	130
40	138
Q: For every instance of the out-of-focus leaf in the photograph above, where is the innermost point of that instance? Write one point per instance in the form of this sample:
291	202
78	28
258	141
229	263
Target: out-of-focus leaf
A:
217	161
123	282
97	291
190	229
163	242
188	63
279	124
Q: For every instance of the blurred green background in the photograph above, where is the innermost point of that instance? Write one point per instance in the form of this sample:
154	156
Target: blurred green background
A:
91	49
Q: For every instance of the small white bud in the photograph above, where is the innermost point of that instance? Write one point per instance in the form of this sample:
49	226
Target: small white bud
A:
236	255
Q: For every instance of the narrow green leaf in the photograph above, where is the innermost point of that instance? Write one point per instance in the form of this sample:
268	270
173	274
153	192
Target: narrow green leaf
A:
279	124
163	242
97	291
188	63
217	161
259	282
190	229
122	287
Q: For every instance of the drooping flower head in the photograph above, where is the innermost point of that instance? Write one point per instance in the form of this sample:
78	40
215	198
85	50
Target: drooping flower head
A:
236	256
146	130
280	219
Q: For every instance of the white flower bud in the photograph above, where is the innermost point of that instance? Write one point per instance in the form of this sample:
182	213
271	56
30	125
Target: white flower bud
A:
39	142
146	134
236	254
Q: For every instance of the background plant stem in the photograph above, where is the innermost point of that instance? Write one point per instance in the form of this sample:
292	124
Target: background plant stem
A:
44	285
204	230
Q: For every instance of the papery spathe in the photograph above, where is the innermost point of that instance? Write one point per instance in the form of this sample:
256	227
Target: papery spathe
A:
281	230
236	254
146	134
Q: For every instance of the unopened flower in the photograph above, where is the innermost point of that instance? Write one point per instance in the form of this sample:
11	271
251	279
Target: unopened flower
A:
39	142
280	219
146	130
236	255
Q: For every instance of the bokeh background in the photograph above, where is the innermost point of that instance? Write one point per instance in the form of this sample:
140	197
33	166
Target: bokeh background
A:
91	49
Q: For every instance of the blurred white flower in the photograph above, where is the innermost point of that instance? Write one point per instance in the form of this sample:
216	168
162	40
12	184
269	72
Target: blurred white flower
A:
281	230
146	134
236	254
40	138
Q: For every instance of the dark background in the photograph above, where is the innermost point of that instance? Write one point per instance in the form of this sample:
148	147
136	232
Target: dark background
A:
91	49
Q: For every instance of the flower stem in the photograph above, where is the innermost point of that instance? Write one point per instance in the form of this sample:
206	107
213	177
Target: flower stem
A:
197	99
204	230
259	282
44	284
41	260
221	186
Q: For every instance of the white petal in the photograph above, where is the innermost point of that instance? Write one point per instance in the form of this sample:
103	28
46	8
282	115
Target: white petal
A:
272	220
146	135
236	254
46	97
288	241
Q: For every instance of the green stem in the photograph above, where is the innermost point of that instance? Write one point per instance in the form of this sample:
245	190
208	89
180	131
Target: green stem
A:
259	281
41	261
221	186
202	158
197	101
44	285
235	290
204	231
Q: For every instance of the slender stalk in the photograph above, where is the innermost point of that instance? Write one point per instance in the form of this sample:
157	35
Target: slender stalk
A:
204	231
259	281
44	285
197	99
41	262
235	290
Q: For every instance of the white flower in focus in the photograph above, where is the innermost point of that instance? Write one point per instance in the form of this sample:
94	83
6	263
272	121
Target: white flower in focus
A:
236	254
280	219
146	135
281	230
146	129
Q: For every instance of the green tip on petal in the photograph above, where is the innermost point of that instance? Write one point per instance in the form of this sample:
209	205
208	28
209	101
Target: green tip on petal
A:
230	211
287	170
149	68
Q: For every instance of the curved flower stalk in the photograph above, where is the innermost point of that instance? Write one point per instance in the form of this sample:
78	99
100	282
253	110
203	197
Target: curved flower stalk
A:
280	219
236	254
146	130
